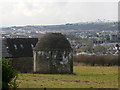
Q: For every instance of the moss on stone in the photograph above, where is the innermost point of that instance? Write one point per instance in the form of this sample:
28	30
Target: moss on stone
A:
53	41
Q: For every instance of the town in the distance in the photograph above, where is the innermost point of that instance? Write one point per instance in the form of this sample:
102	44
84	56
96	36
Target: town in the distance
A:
89	38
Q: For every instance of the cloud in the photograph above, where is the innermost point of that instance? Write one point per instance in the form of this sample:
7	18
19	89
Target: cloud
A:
22	12
28	9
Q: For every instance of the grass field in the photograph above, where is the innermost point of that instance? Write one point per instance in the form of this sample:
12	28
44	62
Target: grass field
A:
85	77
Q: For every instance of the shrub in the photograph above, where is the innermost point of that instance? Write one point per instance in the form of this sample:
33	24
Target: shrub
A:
101	60
9	75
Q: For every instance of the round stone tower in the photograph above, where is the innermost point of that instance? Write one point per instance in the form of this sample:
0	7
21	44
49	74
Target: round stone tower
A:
53	54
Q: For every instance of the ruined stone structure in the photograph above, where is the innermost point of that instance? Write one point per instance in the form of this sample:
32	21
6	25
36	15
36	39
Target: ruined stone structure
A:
53	54
20	52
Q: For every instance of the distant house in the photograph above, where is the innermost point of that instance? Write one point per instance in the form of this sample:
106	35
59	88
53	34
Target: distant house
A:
20	52
113	38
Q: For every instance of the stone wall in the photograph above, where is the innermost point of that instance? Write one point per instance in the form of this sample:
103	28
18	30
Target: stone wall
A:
23	64
57	62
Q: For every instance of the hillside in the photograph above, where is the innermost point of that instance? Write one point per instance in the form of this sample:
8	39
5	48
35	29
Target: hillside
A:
69	26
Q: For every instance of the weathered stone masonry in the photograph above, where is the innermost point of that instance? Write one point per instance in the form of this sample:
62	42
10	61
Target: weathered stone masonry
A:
53	54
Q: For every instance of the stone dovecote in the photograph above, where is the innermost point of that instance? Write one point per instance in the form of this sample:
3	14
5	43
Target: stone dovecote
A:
53	54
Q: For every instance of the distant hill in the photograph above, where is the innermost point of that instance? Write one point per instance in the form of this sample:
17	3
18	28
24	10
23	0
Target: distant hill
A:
70	26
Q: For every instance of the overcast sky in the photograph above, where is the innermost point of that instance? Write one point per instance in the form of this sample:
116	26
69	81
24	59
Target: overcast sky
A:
44	12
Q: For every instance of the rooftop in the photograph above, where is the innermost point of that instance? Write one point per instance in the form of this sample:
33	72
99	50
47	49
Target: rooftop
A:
53	41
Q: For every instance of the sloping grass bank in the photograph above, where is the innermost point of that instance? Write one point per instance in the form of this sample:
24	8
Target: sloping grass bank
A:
85	77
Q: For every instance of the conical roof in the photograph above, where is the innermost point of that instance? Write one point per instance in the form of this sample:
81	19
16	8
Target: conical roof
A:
53	41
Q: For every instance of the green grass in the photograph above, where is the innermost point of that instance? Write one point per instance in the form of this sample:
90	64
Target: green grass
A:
85	77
